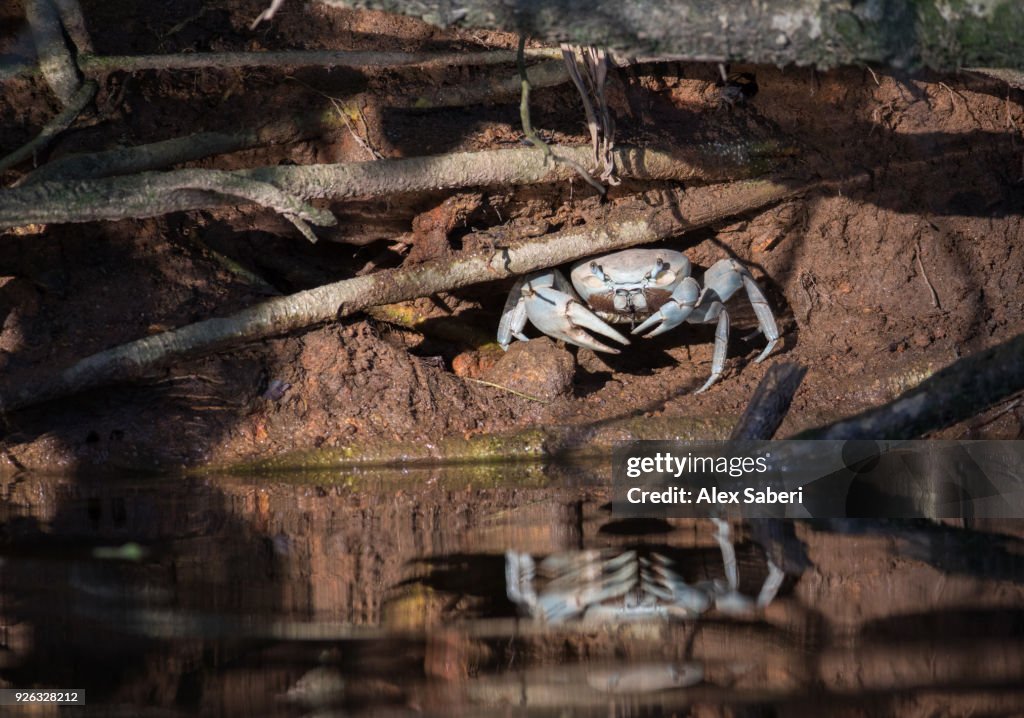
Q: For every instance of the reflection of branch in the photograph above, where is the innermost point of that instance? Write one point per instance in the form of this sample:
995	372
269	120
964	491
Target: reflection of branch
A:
956	393
635	224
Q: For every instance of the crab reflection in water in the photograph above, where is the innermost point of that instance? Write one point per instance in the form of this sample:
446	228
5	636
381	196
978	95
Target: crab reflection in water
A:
607	585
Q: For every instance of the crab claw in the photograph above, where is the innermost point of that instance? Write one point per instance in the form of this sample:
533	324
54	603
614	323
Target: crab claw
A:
673	312
561	316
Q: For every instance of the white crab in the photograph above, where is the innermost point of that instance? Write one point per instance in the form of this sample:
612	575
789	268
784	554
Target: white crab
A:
649	288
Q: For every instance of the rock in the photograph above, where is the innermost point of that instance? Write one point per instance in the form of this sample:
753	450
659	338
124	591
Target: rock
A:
538	368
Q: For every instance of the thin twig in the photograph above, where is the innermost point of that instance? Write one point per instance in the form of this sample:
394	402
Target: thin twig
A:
924	274
267	14
510	391
53	128
873	75
635	224
343	115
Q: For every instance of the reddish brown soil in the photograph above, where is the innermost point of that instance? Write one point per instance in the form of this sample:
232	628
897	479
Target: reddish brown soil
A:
875	289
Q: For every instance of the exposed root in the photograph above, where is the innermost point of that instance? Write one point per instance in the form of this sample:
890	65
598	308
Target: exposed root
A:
148	195
93	64
599	121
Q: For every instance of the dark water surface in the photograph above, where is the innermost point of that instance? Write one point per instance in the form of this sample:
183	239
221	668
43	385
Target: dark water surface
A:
387	593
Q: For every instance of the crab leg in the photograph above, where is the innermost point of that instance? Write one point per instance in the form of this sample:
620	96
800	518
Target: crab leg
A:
721	344
765	318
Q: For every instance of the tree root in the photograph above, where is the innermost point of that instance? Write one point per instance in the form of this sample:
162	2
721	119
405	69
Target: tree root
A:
74	24
635	224
153	194
82	97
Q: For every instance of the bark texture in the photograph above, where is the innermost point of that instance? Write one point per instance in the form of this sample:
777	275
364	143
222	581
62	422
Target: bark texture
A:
941	34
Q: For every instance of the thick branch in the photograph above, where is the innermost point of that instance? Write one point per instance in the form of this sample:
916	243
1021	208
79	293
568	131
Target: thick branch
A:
958	392
639	224
770	402
942	34
148	195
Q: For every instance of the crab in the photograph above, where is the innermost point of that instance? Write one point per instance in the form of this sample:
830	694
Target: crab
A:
651	289
607	586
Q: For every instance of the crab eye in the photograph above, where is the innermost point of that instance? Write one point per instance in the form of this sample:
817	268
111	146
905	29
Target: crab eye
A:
598	271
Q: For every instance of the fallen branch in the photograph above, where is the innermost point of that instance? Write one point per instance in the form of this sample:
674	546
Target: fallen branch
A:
770	402
150	195
53	128
141	194
636	224
958	392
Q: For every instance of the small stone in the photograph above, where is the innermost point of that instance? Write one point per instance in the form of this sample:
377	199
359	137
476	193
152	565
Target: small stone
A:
538	368
473	364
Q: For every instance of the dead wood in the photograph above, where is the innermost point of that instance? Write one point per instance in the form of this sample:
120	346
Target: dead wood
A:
770	402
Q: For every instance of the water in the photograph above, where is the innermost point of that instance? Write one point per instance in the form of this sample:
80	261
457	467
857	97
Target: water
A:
385	593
